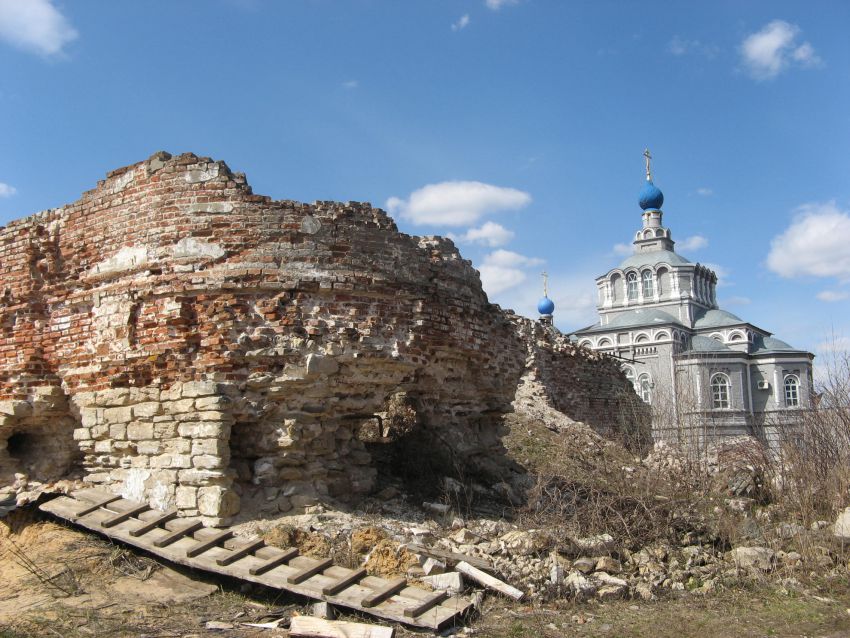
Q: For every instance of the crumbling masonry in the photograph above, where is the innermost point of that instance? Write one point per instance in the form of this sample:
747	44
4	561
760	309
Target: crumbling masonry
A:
174	336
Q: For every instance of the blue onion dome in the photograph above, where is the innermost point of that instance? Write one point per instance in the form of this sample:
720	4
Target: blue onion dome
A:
545	306
651	197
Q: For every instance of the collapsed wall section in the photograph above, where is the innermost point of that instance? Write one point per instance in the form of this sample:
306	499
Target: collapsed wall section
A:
584	385
179	338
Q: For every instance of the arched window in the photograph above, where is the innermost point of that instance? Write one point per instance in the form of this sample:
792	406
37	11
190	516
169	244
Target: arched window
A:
644	388
616	288
720	391
647	284
629	371
632	286
604	343
663	281
792	391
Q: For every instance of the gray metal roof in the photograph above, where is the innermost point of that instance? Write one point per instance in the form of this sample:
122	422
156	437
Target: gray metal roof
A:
707	344
716	319
636	317
772	344
653	257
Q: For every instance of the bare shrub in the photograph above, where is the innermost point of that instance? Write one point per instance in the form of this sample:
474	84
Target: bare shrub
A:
813	464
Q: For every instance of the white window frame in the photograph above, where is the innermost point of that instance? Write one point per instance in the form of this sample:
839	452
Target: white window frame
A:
647	285
644	387
632	286
791	388
721	391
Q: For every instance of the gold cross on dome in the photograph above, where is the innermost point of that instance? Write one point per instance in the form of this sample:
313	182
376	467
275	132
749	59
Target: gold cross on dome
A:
648	157
545	283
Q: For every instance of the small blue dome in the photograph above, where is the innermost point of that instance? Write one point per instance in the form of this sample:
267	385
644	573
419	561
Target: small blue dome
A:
651	197
545	306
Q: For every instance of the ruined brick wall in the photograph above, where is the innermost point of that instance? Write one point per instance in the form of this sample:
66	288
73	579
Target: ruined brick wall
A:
180	337
592	388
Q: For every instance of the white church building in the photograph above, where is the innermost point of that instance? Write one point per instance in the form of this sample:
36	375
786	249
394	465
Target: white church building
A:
706	372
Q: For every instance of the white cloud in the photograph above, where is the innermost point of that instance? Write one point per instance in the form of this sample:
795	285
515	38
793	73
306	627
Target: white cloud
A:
705	192
814	244
768	52
681	46
456	203
831	296
461	23
693	243
623	249
6	190
490	234
35	26
495	5
574	294
350	84
805	55
503	269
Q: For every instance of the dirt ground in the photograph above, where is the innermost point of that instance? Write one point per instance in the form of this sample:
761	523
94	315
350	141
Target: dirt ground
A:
58	581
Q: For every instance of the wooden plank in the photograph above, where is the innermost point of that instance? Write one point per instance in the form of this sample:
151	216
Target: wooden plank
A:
178	534
153	523
97	505
307	572
112	521
270	564
310	627
209	543
242	552
385	592
429	603
344	582
489	581
391	609
450	558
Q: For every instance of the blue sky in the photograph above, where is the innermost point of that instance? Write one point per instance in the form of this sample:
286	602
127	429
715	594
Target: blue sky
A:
515	126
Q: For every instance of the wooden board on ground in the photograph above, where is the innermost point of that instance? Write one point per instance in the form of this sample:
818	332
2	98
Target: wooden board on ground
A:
489	581
450	558
310	627
217	552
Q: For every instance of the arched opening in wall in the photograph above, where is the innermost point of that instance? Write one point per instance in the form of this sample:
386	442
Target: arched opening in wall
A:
644	387
632	286
43	451
664	281
395	436
721	391
616	288
647	282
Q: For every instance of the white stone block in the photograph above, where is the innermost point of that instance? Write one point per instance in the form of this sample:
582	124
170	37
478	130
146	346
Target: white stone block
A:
451	582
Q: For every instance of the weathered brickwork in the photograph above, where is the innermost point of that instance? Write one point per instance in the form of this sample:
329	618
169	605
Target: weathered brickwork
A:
583	389
177	336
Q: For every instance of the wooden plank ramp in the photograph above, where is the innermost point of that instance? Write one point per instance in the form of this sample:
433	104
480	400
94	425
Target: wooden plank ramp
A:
184	542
